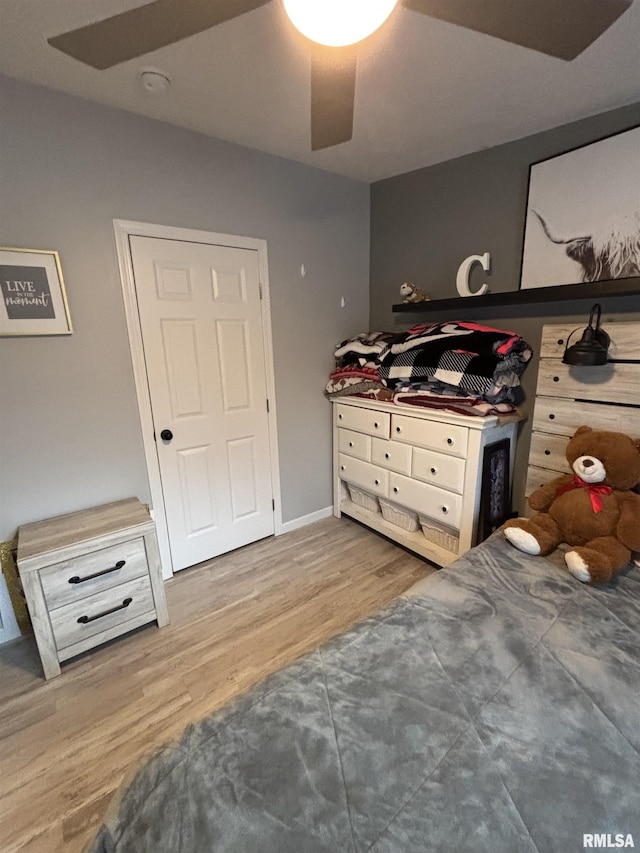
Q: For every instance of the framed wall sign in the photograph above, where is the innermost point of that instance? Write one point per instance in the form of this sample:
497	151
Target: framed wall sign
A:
583	215
34	301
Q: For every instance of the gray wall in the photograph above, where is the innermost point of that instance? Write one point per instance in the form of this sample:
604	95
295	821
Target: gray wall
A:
69	428
424	223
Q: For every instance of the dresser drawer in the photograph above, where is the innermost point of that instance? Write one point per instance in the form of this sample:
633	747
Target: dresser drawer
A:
354	444
364	420
74	580
391	455
442	506
548	451
448	438
438	469
103	610
370	477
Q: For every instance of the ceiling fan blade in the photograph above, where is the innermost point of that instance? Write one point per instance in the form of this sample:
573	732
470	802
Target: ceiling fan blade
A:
146	28
560	28
333	89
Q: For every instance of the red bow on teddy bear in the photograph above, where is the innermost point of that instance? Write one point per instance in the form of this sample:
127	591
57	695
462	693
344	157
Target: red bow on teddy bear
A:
594	491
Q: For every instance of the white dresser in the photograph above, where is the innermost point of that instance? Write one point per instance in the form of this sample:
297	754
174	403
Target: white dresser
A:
416	475
88	577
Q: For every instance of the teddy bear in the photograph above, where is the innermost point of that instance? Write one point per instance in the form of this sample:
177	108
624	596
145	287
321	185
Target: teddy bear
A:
411	293
594	509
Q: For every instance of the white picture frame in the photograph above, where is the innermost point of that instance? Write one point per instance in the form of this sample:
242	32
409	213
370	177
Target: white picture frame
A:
33	299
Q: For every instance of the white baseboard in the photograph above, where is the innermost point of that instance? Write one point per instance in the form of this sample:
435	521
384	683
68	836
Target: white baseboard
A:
296	523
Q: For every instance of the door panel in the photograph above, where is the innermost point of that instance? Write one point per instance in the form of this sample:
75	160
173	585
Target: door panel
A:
233	364
201	324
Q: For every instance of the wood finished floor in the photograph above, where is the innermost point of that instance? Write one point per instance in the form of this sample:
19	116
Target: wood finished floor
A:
65	744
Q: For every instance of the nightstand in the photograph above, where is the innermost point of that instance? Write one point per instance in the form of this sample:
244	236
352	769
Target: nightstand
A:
88	577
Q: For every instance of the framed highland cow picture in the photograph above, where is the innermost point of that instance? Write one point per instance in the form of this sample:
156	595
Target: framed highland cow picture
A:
583	214
34	301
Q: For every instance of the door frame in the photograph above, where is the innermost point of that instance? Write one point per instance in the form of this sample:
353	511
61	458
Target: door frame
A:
124	229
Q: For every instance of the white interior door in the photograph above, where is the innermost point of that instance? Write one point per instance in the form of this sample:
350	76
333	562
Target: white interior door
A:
201	325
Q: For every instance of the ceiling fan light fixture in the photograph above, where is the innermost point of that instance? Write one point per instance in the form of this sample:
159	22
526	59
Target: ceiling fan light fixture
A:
337	23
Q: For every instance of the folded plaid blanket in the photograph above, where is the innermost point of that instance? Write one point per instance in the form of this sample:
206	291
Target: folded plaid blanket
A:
461	404
470	356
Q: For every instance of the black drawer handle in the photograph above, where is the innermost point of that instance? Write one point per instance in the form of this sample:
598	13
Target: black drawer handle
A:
350	444
376	424
560	341
445	510
398	429
84	620
386	455
556	379
552	417
377	482
547	453
395	489
342	467
434	470
78	579
449	441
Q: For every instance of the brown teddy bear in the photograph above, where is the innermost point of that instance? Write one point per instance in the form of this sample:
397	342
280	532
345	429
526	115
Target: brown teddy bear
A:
593	509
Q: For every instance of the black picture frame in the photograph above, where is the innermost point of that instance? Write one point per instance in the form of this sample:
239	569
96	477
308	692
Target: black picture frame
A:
495	495
586	192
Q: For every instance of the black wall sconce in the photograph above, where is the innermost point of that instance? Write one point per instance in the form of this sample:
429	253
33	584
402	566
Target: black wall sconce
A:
592	348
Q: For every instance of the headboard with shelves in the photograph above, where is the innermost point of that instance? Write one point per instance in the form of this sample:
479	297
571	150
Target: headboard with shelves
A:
606	397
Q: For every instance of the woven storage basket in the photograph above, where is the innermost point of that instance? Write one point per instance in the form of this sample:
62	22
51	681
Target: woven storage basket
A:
364	499
399	516
446	537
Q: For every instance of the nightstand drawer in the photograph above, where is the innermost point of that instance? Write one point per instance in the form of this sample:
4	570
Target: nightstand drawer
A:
74	580
80	620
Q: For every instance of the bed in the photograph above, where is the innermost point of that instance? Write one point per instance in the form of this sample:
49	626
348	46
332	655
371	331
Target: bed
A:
494	708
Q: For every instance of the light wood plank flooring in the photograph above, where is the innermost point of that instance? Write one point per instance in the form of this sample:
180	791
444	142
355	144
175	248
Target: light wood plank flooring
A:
65	744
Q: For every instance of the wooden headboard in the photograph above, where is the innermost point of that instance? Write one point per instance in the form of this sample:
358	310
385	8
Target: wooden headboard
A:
606	397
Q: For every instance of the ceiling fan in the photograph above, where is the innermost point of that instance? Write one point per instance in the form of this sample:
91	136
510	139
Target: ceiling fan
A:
559	28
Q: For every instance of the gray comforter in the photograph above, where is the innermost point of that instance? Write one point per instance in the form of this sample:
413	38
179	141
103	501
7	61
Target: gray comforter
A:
495	708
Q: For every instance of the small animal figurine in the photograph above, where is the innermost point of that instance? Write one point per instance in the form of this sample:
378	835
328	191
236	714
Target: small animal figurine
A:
411	293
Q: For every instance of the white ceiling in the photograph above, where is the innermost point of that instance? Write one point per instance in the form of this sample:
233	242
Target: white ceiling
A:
426	91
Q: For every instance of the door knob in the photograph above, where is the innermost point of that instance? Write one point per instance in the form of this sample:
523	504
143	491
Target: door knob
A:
166	435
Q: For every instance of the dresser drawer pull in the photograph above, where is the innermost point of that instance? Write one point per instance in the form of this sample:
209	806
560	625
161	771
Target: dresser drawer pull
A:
386	455
78	579
377	482
84	620
434	470
350	444
395	490
376	425
445	510
449	441
398	429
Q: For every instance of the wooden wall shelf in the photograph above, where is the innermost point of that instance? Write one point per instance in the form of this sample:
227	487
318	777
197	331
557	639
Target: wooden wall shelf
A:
566	292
